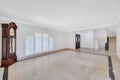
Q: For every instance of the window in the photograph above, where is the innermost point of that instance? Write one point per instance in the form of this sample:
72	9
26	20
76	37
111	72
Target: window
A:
39	43
45	42
29	42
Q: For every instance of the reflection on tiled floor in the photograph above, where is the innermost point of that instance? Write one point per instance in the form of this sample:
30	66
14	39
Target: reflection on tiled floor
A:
1	73
65	65
94	51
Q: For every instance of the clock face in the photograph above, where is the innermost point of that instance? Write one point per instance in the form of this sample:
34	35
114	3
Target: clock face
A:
12	32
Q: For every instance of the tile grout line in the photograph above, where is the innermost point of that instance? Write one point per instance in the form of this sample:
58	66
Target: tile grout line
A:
111	73
92	53
5	74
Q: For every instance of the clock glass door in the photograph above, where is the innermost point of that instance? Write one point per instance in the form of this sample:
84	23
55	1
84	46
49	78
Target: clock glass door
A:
12	40
12	45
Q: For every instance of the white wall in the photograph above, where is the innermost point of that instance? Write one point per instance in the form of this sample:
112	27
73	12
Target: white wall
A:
118	39
24	30
27	30
70	40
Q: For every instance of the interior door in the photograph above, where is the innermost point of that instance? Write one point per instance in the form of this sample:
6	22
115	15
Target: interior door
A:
77	41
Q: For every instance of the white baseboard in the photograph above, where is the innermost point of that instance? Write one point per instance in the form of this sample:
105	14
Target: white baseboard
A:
42	54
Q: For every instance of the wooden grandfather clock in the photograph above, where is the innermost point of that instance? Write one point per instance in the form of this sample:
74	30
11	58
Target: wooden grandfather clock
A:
8	44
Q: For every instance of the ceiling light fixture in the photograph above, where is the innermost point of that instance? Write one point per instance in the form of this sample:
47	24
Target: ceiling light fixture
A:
83	16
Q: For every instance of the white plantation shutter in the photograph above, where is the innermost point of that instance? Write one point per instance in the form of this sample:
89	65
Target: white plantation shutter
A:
45	42
29	42
39	43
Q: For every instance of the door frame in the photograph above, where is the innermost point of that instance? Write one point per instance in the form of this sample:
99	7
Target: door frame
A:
77	42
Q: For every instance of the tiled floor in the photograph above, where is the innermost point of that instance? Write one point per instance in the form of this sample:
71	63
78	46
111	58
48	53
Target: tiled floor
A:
1	73
65	65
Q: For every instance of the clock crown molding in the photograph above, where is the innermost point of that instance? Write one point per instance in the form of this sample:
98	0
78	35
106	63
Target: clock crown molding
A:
12	24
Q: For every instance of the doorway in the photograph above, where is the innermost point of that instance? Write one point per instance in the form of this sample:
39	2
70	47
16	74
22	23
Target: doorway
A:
77	41
112	44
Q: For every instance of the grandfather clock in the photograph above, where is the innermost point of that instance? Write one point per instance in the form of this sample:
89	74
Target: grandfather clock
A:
8	44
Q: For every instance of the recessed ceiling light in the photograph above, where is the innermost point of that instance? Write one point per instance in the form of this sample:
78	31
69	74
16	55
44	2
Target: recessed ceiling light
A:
82	16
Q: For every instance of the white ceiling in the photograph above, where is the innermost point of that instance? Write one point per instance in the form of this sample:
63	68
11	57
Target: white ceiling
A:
66	15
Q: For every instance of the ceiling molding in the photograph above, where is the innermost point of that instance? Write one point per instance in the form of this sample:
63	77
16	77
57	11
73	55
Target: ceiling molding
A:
7	20
97	27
